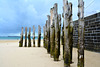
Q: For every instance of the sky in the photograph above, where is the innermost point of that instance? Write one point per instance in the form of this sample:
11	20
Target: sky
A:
15	14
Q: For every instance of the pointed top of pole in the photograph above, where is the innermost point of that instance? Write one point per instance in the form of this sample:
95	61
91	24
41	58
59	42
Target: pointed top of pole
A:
55	8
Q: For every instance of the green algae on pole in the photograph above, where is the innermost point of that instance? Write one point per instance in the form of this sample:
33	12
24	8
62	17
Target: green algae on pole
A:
39	35
56	52
25	37
48	34
29	38
21	39
80	33
33	36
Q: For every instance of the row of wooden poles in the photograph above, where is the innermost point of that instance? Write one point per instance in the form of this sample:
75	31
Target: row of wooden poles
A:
29	37
52	32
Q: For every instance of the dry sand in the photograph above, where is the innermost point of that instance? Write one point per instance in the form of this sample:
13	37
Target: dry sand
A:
13	56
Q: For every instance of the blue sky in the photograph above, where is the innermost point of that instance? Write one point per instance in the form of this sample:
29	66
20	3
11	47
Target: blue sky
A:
15	14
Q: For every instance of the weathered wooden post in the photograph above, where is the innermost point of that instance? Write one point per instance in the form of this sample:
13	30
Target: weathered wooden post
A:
52	34
80	33
48	34
56	54
67	16
63	40
21	39
25	37
59	20
29	38
70	32
71	42
63	32
66	40
33	36
44	36
52	39
39	35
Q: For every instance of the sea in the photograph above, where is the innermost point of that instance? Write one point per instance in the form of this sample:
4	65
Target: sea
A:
15	37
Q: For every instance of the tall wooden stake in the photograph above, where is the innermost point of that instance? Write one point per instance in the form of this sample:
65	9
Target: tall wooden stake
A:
70	32
80	34
56	54
67	15
29	38
21	39
59	20
63	32
33	36
48	34
39	35
52	34
25	37
63	40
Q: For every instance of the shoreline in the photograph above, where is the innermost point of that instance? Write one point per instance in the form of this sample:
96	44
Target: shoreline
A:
14	40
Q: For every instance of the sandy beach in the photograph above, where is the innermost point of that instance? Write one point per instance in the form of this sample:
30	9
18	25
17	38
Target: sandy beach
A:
13	56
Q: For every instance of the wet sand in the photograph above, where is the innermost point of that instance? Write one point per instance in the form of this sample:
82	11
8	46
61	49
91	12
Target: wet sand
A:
13	56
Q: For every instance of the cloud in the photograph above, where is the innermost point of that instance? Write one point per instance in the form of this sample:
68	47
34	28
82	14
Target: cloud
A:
15	14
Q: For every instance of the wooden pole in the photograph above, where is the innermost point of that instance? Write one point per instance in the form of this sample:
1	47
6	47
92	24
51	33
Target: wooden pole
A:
70	31
33	36
21	39
29	38
52	41
56	54
45	36
80	33
39	35
59	20
67	16
52	34
25	37
48	34
63	32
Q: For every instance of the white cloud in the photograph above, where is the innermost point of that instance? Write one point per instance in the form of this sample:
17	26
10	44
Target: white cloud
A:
18	13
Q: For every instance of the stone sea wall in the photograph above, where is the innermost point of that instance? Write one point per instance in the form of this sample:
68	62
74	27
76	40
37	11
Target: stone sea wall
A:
92	32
